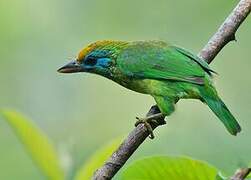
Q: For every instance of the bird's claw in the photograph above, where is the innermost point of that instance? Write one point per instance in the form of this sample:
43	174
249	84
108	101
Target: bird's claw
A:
147	125
147	121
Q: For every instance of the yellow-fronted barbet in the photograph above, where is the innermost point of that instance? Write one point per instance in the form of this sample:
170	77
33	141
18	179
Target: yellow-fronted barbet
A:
166	72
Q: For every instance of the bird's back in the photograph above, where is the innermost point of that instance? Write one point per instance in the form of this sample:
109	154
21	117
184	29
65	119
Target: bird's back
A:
159	60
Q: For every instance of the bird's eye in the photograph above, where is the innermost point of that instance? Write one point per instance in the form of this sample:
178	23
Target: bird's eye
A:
91	61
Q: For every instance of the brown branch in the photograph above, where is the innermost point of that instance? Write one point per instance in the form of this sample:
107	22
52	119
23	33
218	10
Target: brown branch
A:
241	174
125	150
225	34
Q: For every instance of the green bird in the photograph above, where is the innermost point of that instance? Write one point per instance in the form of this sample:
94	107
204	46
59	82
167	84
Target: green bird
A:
167	73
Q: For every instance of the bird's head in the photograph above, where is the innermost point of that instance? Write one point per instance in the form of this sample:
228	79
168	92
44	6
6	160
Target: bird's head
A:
99	58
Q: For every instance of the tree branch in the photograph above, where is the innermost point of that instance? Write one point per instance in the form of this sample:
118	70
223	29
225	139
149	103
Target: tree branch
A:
241	174
224	35
226	32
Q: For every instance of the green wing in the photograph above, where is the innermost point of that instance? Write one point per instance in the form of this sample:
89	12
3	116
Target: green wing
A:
200	61
157	60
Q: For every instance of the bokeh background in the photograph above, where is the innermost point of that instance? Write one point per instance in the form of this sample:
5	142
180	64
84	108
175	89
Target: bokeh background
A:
81	112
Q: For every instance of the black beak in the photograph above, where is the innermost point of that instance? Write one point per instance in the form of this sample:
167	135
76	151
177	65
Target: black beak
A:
72	67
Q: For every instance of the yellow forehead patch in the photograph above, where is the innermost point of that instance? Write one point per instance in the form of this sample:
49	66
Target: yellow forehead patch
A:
91	47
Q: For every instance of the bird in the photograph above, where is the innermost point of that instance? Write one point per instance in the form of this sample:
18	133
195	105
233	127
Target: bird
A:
166	72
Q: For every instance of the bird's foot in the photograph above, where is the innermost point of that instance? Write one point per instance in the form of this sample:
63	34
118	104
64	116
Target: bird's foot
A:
155	119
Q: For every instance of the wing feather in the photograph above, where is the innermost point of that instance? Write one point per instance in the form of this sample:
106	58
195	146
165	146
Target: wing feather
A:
157	60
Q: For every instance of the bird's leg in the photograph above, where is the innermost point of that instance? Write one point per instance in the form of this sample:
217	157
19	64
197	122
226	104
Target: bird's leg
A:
156	119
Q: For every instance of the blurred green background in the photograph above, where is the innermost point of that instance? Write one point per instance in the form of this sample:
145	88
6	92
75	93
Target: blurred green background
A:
81	112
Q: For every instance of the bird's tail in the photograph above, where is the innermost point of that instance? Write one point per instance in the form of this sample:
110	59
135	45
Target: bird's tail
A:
211	98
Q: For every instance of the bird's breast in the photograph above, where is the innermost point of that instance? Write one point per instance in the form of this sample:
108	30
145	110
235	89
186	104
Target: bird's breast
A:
145	86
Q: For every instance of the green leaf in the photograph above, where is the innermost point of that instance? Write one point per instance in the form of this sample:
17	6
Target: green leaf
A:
97	160
220	176
164	167
36	143
249	176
